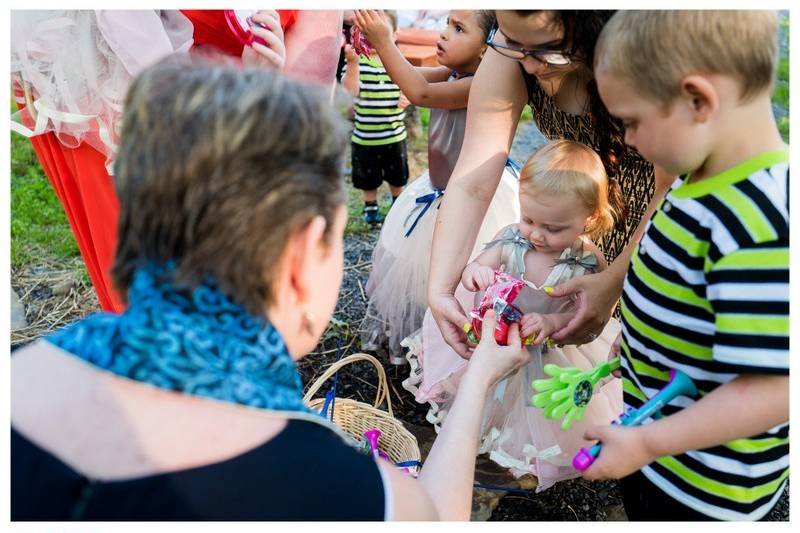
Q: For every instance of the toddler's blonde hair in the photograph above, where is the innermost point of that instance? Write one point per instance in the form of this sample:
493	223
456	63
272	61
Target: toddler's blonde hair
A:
653	50
564	168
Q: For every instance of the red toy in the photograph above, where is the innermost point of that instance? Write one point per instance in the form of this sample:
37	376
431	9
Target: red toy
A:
498	296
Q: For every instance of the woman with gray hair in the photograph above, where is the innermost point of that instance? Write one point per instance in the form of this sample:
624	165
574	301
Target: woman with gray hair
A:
188	405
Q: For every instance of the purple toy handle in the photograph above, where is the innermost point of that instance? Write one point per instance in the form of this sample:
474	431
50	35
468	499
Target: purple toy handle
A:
584	458
372	436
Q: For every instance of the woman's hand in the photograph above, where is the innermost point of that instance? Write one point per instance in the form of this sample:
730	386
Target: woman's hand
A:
595	295
266	25
374	25
493	361
624	452
451	318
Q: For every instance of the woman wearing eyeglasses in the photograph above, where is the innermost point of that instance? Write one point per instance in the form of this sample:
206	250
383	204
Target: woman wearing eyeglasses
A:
542	59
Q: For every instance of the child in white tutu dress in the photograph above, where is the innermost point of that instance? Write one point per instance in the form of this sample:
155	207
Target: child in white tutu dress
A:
564	202
397	285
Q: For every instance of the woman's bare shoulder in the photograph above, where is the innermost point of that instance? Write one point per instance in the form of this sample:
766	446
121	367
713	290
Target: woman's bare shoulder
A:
108	427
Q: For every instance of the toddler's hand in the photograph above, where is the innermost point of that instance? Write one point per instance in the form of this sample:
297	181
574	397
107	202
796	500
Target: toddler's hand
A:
350	55
538	325
616	351
266	25
480	278
624	451
375	26
403	102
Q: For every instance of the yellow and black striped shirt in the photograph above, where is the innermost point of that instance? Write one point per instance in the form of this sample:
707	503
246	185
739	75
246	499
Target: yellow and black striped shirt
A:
707	292
378	119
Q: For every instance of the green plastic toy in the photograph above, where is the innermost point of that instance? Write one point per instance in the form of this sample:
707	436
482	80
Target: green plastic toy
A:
567	393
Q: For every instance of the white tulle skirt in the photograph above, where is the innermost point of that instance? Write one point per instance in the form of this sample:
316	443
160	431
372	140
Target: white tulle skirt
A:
78	64
397	286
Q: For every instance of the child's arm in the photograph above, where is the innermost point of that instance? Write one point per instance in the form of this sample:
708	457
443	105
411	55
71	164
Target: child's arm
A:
479	273
748	405
542	325
417	87
350	78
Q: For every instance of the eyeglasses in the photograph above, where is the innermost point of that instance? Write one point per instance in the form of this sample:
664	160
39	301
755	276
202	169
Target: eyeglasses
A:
556	58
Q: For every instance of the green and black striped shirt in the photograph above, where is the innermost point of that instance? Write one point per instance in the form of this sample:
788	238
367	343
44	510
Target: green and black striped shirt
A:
378	119
707	292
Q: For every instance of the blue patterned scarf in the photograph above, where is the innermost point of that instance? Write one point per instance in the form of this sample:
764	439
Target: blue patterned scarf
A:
197	342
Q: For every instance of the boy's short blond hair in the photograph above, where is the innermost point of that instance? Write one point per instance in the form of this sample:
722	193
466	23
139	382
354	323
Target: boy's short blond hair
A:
654	50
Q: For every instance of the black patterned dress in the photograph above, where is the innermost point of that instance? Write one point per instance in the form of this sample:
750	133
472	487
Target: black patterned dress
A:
635	175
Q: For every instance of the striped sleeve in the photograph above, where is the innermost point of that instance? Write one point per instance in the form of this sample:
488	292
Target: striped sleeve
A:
749	291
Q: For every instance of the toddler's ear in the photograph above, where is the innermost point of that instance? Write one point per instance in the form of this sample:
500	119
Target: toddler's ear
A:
701	95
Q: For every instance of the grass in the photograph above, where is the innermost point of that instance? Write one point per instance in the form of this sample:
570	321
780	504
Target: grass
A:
39	226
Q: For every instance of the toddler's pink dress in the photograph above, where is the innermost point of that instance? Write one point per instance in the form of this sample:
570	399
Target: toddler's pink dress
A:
513	433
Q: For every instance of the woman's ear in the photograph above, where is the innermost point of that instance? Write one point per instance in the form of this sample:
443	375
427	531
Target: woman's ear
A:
307	245
701	96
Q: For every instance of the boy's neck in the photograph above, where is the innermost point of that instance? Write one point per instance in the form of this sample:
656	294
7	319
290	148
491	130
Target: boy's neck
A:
748	130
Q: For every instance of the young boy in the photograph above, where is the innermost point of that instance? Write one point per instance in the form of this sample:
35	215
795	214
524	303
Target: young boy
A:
378	143
707	291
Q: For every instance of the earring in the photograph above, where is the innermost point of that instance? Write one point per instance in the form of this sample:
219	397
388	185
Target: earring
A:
308	322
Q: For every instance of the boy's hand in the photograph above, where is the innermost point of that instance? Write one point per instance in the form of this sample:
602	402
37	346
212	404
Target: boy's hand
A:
350	55
624	452
480	278
267	25
542	326
375	26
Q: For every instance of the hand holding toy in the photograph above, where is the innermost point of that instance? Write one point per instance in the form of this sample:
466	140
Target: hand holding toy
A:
498	296
679	385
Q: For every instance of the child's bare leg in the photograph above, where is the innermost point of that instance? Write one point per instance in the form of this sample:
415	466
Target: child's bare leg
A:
371	195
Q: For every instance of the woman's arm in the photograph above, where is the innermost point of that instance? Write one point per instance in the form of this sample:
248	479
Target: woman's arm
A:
444	487
312	45
496	100
415	84
597	294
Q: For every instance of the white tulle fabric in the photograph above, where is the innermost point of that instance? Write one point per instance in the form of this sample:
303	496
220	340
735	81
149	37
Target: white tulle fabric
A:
78	65
513	433
397	286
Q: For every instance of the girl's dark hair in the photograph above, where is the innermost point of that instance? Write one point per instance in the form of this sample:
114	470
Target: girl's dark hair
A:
486	20
217	167
581	31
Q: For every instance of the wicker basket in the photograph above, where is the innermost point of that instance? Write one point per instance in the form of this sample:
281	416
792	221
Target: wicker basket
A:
356	417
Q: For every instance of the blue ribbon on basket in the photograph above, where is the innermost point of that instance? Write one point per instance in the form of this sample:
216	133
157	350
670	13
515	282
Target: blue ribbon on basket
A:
330	396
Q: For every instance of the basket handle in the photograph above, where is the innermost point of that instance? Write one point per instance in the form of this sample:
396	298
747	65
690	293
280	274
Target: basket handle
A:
383	387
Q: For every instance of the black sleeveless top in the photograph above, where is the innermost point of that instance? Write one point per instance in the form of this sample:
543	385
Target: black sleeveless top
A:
635	176
306	472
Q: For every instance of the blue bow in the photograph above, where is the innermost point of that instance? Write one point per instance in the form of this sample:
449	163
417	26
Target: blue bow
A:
424	203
